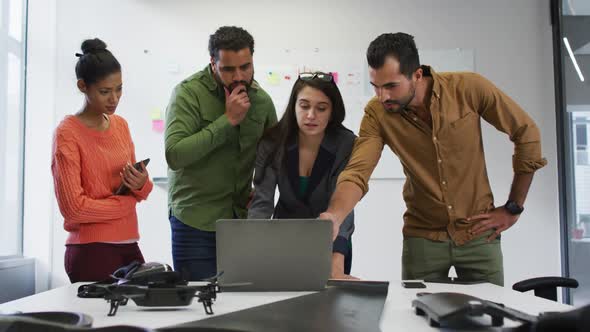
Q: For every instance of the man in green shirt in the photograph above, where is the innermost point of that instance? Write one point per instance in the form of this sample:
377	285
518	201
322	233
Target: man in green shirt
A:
213	123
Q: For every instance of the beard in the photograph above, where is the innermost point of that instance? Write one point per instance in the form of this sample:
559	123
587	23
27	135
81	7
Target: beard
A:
235	84
402	104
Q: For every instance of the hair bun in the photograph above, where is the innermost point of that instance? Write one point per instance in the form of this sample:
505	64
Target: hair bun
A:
93	46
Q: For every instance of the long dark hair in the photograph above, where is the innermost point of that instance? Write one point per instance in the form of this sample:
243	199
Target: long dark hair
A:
287	129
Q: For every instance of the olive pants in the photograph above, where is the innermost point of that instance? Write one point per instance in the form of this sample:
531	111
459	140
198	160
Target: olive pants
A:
479	260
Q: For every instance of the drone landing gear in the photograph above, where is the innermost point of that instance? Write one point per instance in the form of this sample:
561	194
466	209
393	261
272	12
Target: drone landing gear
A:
207	295
207	305
115	303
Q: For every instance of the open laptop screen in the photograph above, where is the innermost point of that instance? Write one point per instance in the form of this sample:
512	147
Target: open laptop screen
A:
274	255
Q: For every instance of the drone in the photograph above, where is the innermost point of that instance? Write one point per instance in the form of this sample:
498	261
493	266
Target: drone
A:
151	285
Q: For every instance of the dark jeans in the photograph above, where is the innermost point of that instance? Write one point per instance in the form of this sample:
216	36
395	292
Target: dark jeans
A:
194	252
96	261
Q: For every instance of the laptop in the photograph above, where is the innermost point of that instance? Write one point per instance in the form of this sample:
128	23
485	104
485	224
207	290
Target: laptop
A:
274	255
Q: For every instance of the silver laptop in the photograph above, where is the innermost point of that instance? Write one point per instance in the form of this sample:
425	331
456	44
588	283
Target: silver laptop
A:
274	255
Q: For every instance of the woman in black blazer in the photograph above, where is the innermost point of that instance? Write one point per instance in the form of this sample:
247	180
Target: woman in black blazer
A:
303	154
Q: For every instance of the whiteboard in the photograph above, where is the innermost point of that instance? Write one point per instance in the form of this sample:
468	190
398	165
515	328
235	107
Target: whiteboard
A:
276	70
277	78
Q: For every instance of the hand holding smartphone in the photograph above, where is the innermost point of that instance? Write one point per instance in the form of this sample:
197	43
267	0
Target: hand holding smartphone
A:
123	189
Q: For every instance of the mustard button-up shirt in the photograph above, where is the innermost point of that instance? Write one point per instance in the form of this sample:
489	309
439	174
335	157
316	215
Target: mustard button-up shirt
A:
446	176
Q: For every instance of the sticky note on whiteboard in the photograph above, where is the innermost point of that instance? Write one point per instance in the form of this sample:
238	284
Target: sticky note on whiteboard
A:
273	78
156	114
335	76
158	126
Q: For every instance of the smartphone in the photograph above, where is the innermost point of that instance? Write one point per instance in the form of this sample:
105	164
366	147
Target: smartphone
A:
123	190
413	284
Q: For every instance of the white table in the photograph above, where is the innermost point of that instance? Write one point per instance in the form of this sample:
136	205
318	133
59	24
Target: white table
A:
397	313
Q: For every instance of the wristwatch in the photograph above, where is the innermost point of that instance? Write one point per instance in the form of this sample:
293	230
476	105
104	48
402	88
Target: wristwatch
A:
513	208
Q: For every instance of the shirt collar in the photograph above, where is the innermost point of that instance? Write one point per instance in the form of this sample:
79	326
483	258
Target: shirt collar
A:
436	86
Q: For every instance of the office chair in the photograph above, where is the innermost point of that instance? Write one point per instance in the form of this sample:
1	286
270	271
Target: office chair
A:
545	287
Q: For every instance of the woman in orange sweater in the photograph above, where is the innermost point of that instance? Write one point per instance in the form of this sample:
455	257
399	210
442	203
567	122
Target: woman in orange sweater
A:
92	155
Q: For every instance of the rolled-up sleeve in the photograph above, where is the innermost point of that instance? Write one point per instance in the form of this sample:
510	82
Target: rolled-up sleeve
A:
365	154
507	116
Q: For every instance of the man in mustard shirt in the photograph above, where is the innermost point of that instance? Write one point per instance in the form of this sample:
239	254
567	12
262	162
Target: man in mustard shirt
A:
213	123
431	121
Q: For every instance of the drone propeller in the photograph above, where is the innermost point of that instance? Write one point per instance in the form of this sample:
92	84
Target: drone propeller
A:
236	284
214	278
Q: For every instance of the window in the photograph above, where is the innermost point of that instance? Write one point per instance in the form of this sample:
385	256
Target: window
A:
581	135
12	55
571	38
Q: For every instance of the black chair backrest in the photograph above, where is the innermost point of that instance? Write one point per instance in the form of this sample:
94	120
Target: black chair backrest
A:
545	287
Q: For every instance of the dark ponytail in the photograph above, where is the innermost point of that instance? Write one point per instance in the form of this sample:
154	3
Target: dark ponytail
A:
95	62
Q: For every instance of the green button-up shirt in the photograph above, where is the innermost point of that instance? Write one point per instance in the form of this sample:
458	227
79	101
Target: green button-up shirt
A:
210	162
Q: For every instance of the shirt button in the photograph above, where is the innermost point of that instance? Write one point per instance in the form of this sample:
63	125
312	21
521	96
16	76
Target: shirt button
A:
434	138
415	119
439	161
444	183
450	207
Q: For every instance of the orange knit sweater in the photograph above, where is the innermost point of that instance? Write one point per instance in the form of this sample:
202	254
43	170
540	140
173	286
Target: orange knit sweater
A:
85	166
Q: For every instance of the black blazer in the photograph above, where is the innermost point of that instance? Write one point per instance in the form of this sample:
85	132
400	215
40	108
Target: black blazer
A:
332	158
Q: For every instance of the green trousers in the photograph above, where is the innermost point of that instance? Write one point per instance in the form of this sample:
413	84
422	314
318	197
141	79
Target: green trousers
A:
475	260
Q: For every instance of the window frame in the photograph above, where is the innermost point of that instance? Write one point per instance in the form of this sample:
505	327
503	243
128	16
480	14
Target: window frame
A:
19	50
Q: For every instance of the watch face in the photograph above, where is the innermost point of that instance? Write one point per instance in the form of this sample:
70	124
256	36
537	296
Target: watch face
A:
513	208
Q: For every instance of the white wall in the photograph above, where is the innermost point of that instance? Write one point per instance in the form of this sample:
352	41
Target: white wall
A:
513	48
